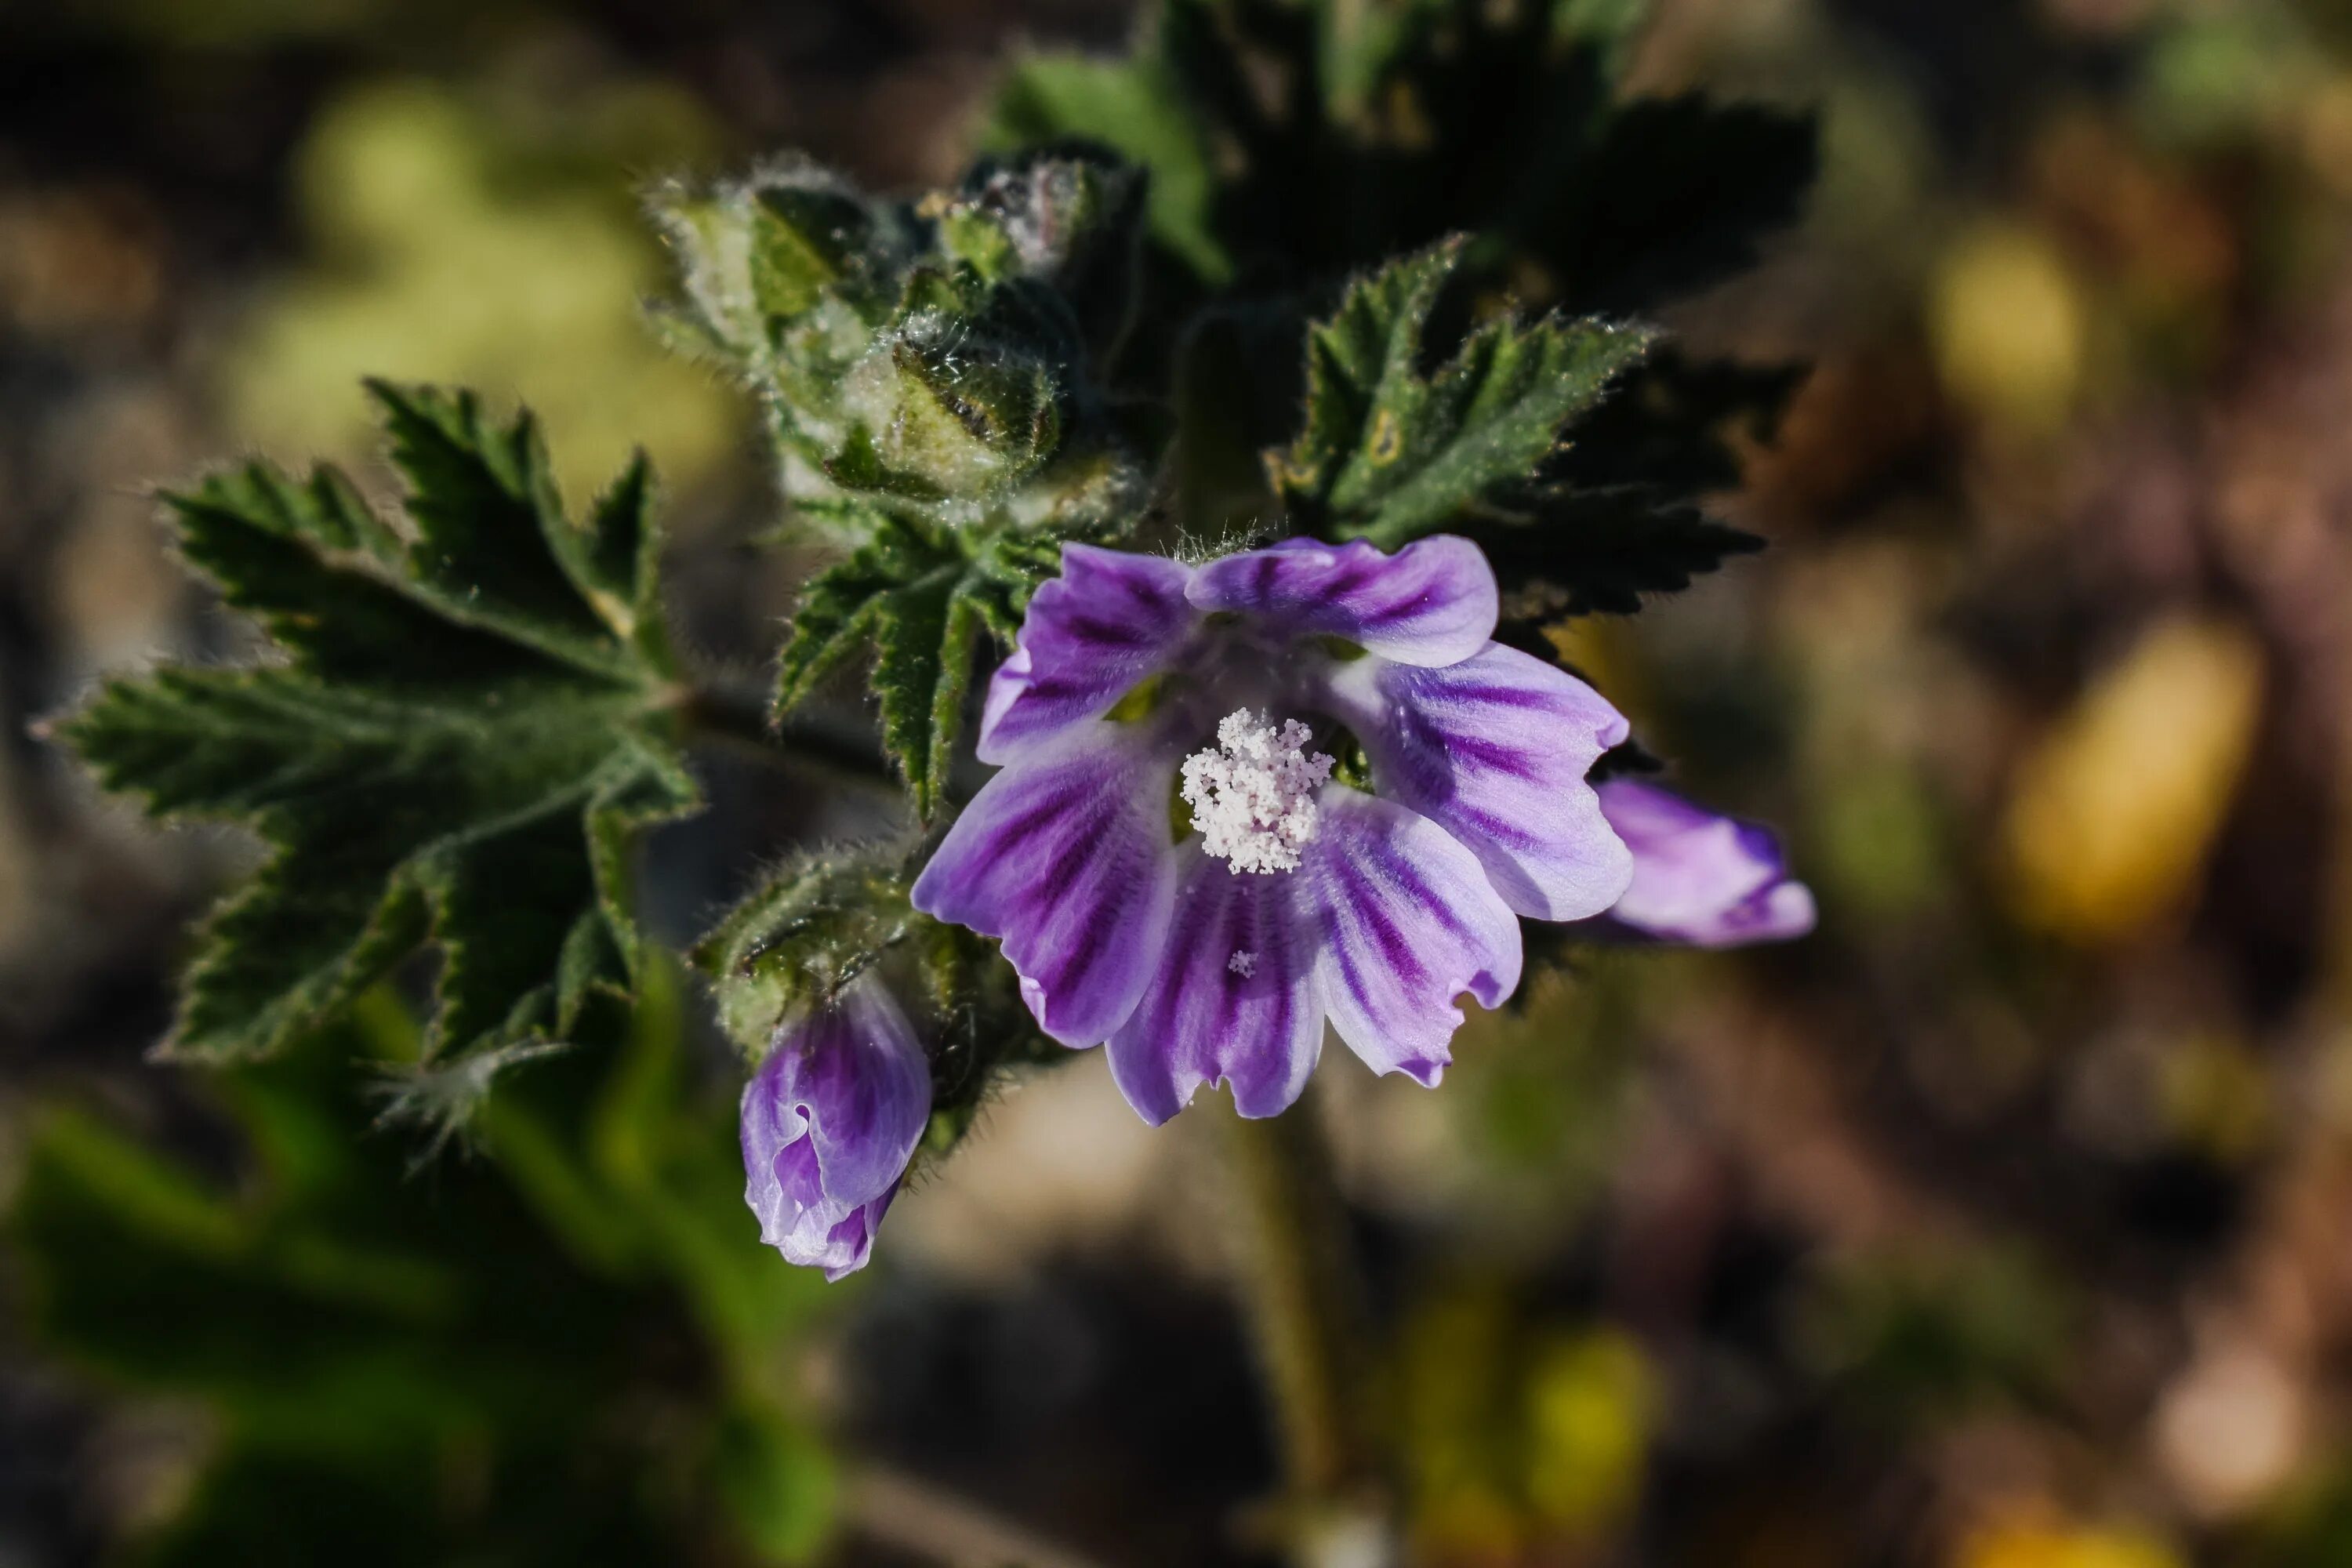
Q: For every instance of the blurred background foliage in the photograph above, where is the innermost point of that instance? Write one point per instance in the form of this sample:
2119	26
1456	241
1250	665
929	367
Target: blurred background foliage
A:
2007	1222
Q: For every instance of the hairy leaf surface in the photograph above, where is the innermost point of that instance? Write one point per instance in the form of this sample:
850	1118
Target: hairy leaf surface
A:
916	598
472	716
1389	453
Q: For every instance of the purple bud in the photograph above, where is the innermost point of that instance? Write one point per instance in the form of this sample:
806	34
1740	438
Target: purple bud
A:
829	1121
1698	878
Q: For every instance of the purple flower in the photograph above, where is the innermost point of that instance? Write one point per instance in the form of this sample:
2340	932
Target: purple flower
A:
1173	869
1699	878
829	1121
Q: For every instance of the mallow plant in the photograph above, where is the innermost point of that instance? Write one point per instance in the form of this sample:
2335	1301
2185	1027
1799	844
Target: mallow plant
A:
1199	477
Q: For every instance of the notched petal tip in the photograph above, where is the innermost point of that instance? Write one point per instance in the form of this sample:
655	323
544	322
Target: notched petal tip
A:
1408	920
1255	1027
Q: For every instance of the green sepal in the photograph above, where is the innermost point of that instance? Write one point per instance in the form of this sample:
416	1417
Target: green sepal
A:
473	719
965	394
821	922
1068	216
931	354
789	948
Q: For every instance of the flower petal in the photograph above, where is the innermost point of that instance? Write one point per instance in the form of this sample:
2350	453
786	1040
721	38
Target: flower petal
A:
786	1190
1494	750
845	1247
1253	1022
835	1238
1065	855
1108	622
1700	878
1434	601
770	1125
1407	921
867	1089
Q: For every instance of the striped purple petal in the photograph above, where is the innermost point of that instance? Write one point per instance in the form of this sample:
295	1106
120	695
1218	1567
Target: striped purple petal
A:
1065	855
1432	603
1699	878
1494	750
1405	921
1233	1001
1108	621
828	1124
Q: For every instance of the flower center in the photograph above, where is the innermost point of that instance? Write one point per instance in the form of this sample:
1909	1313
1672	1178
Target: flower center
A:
1252	793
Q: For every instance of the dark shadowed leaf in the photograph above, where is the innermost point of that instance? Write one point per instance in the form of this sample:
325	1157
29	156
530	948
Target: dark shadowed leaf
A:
354	1335
1573	552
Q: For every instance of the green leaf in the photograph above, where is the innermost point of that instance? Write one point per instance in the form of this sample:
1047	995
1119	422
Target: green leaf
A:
1667	426
354	1337
1672	194
1322	135
471	721
917	597
1388	454
1292	142
1577	552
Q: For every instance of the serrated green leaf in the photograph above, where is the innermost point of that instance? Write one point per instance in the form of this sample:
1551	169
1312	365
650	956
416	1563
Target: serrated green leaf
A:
1669	426
1292	142
470	723
1388	454
1321	135
1672	195
1580	552
919	599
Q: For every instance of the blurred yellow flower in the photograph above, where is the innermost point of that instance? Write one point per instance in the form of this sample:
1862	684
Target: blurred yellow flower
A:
1522	1437
2113	813
1590	1402
2033	1544
2009	329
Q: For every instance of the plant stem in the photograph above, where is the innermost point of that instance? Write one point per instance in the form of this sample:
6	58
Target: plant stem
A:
735	714
1295	1272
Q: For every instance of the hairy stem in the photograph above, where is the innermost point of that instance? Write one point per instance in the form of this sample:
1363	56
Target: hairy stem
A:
738	716
1296	1274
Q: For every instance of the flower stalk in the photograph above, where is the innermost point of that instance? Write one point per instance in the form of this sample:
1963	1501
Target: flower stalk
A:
1301	1293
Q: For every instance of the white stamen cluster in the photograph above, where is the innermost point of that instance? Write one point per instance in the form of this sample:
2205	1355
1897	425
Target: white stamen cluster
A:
1252	795
1243	962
